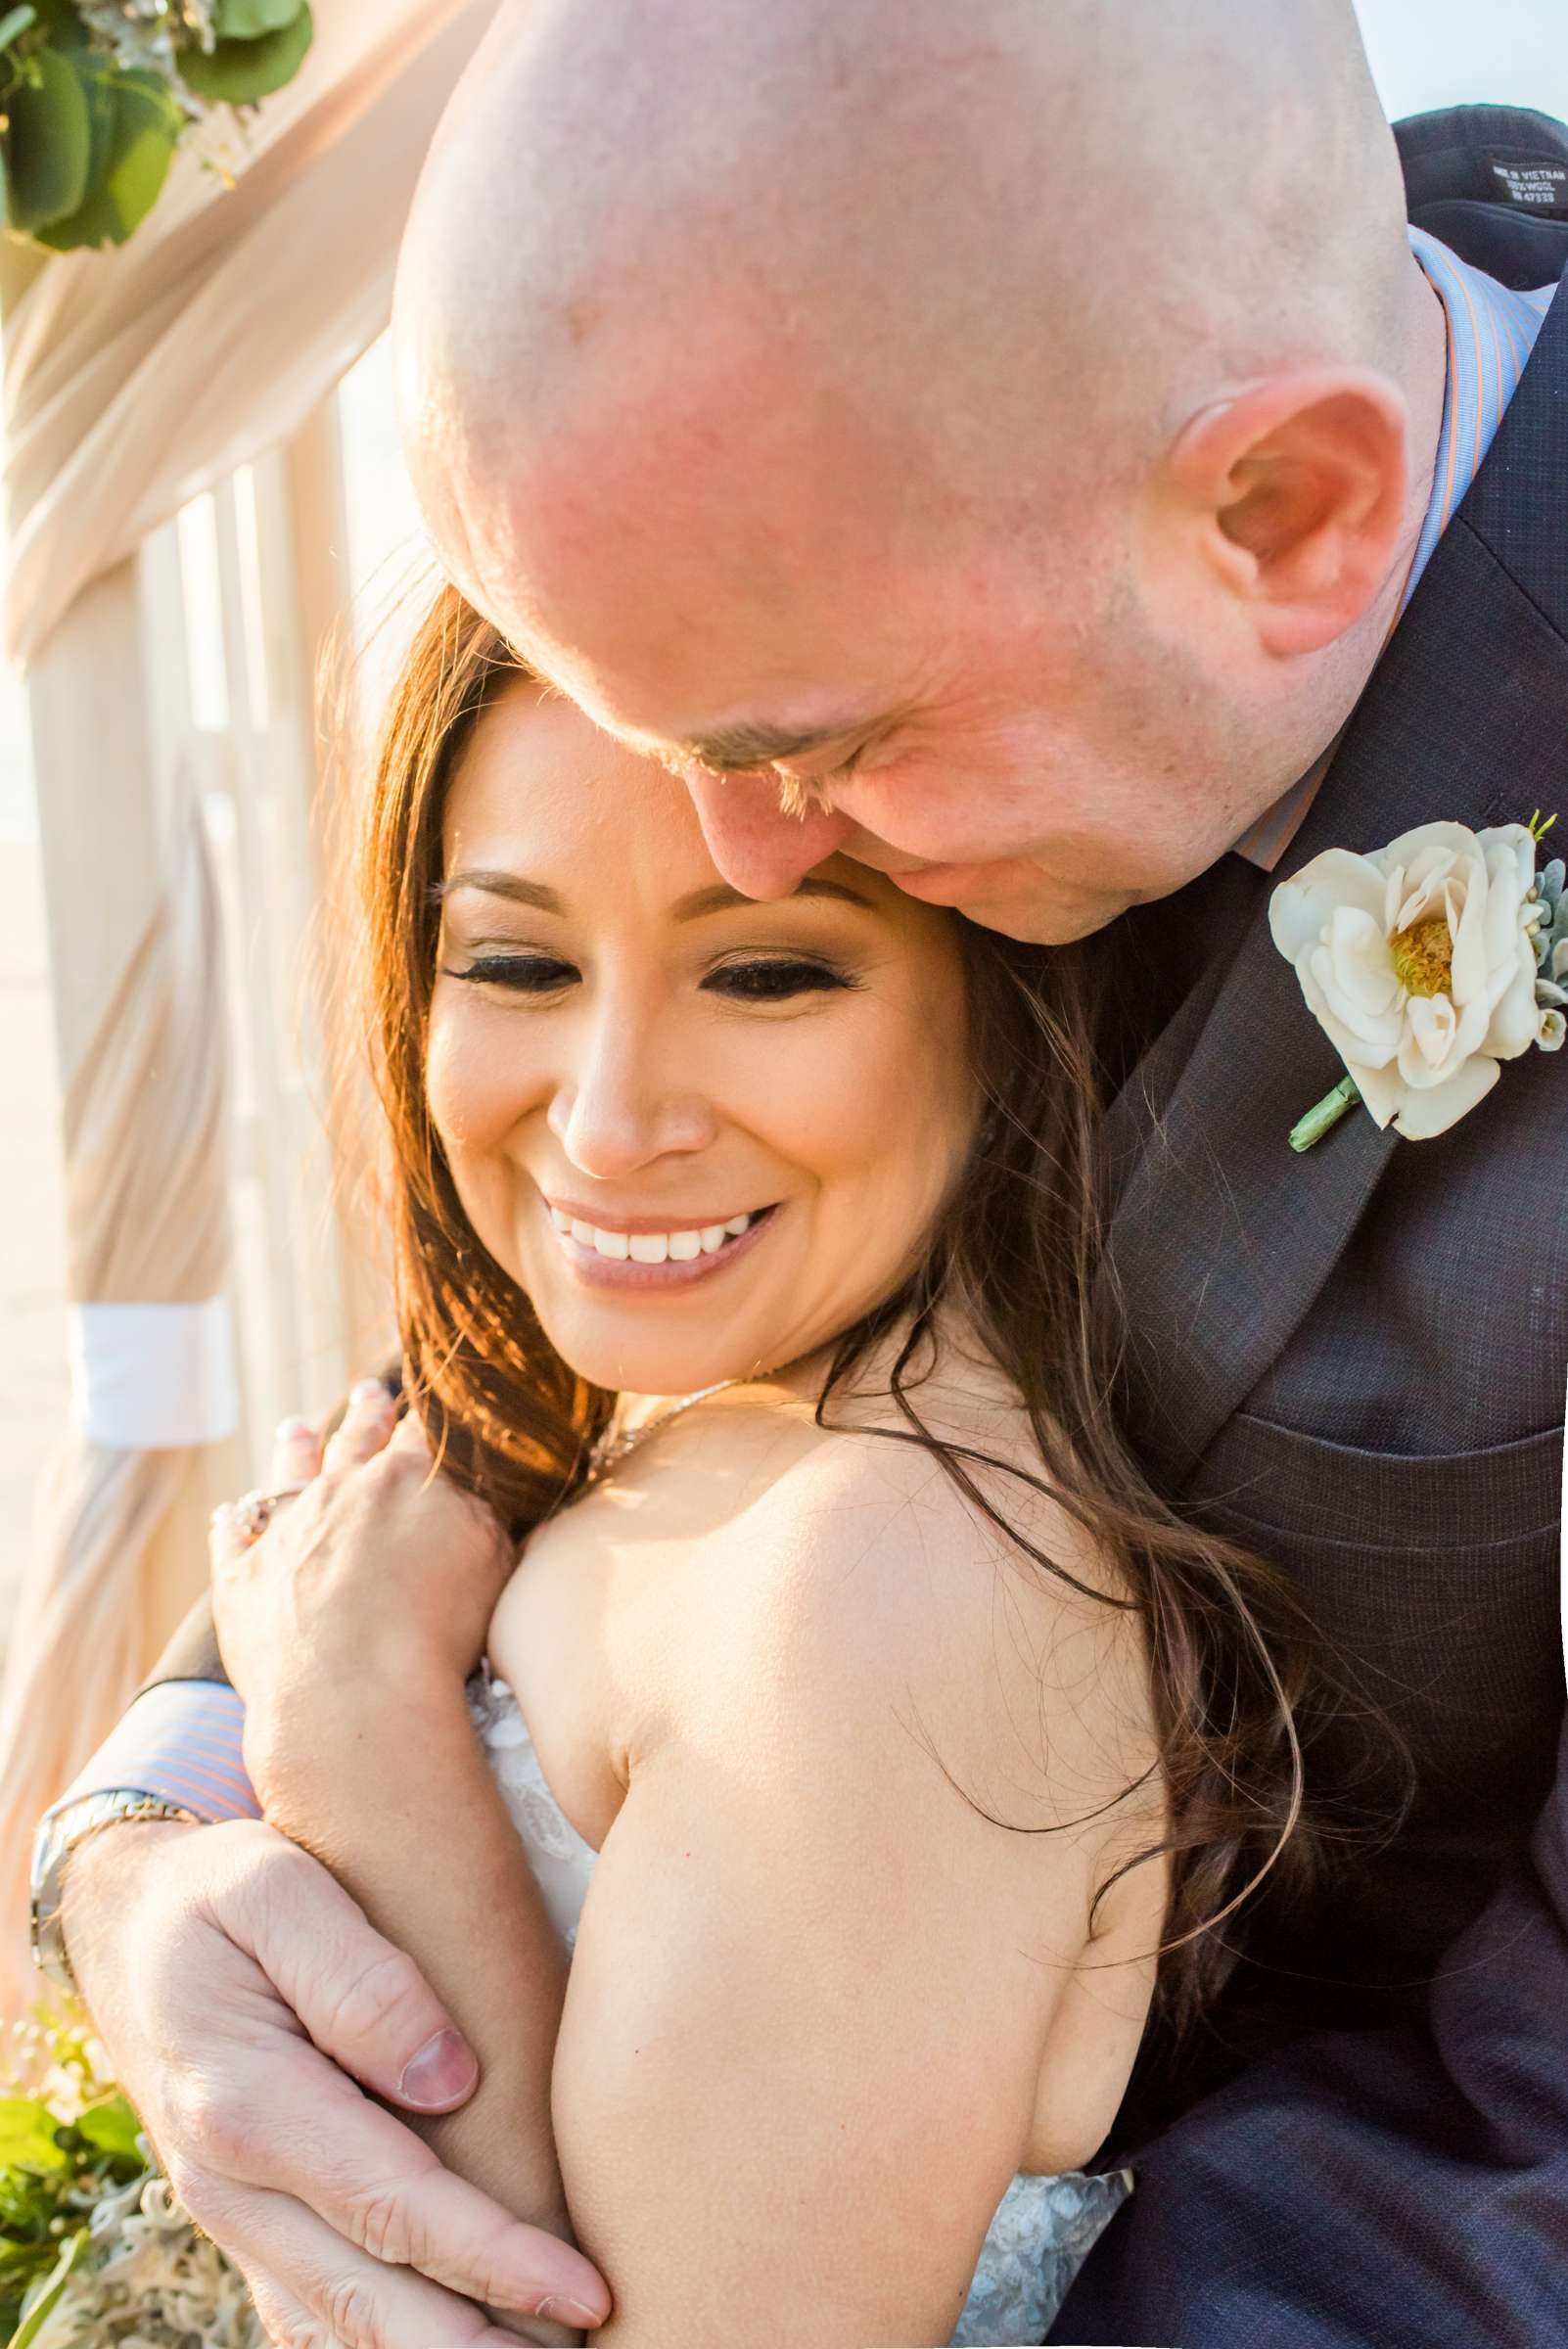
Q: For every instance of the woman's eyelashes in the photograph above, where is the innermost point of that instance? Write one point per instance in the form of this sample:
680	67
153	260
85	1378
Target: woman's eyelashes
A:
523	974
751	979
775	978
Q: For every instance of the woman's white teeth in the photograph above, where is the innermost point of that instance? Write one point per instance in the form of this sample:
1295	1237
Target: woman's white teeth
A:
651	1247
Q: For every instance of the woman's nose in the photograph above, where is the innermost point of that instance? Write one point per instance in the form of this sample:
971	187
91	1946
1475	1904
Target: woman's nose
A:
760	850
616	1109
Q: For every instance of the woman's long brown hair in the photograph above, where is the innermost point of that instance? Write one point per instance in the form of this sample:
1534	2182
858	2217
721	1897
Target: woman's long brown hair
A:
1019	1251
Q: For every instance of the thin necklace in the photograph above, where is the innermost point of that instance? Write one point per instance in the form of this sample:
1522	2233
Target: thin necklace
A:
613	1445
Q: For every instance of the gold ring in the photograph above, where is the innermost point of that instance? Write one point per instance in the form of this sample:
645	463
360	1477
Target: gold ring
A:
254	1512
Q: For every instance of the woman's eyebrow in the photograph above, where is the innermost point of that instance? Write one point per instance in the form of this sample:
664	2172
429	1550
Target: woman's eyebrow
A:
719	898
503	884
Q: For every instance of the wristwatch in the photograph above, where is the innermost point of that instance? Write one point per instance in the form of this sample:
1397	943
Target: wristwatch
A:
62	1835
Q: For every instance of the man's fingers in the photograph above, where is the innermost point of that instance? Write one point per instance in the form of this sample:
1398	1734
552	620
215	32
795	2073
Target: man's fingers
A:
367	1422
380	2188
286	2323
451	2232
310	2288
363	2002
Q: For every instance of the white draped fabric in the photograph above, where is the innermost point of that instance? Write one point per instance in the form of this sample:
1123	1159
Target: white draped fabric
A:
133	381
136	379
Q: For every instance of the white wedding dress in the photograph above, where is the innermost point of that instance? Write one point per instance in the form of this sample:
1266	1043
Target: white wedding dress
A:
1043	2227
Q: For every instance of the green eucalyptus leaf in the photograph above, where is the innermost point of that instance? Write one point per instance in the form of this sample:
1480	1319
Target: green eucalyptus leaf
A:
136	127
112	2127
47	143
249	19
12	26
27	2137
239	72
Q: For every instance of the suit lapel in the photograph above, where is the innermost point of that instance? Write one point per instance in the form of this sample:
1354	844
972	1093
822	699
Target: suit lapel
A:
1222	1236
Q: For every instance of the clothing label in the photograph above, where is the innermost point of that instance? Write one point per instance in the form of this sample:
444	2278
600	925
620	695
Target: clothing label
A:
1538	183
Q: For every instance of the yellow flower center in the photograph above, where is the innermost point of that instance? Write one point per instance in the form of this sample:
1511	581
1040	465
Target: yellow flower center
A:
1423	957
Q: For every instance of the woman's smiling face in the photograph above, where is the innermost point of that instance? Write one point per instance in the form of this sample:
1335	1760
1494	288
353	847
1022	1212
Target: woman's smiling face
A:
705	1135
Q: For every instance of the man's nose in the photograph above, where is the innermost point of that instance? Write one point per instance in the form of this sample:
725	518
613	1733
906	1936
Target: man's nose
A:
760	850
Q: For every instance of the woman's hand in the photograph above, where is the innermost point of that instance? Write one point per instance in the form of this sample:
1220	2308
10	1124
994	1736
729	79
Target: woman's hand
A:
374	1584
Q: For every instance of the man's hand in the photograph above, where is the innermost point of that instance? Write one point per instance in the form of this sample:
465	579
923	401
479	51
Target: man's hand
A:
237	1988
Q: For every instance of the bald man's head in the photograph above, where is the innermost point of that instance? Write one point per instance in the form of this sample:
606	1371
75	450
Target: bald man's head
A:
778	377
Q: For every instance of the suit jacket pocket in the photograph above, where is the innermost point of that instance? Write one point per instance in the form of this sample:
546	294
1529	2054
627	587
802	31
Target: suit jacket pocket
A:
1284	1482
1435	1584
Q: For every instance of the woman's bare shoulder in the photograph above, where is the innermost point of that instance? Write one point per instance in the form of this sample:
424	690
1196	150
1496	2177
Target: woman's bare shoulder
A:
764	1553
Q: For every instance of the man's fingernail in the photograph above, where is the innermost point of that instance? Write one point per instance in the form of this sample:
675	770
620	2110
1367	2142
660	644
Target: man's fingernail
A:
444	2070
294	1431
558	2310
368	1390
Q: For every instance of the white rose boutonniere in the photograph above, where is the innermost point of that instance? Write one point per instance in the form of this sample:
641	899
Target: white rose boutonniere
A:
1427	965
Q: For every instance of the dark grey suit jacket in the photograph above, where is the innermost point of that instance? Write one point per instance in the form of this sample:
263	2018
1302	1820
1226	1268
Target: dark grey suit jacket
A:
1355	1360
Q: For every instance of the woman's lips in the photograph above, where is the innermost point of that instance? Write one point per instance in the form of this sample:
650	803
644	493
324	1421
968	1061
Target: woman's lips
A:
598	1271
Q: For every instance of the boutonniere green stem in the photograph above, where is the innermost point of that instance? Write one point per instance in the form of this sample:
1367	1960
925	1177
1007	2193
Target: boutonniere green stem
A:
1324	1114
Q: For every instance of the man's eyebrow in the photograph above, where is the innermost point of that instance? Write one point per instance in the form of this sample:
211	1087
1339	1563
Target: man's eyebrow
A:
738	749
719	898
502	885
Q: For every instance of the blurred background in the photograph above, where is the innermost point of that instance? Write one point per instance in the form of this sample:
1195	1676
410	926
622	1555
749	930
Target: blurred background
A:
383	565
199	650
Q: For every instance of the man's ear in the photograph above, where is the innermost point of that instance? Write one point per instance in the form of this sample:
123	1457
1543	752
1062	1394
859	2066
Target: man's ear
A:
1296	490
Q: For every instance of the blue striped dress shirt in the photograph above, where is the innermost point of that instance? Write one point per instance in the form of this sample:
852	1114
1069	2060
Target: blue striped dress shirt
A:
1491	333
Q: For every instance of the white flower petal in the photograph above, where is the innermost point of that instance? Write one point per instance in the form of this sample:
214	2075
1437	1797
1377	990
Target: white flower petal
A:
1458	838
1514	1021
1506	908
1436	1108
1357	1029
1353	969
1301	908
1470	1036
1356	1052
1467	977
1393	898
1382	1092
1427	878
1516	841
1433	1025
